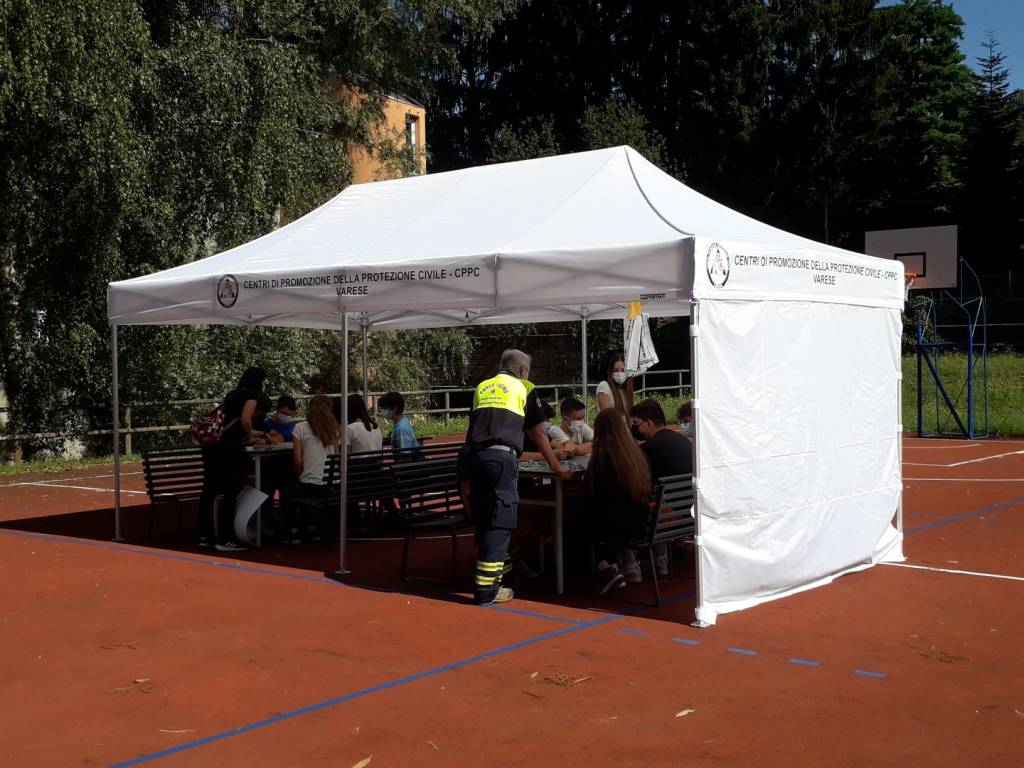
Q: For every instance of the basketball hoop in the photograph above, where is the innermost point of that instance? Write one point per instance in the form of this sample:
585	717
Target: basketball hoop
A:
908	283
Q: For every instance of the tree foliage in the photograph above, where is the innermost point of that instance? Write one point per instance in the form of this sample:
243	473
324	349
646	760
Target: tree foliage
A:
993	202
141	135
137	135
827	117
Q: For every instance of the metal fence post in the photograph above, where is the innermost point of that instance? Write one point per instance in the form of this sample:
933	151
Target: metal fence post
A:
447	406
128	430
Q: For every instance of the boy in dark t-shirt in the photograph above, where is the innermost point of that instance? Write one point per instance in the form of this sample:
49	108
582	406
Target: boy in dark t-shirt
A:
668	452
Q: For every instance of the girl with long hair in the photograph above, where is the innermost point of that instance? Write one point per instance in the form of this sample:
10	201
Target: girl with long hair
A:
312	442
362	433
617	487
616	391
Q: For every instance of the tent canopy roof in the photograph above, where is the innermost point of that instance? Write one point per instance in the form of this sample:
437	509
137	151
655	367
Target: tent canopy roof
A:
526	241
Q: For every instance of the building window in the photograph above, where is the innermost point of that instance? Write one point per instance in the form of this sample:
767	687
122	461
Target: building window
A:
412	140
412	130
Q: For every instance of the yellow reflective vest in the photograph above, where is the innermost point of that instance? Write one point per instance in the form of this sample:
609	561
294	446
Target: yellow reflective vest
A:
499	412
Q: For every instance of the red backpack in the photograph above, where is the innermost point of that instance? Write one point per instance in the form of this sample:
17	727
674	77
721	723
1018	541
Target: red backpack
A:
207	428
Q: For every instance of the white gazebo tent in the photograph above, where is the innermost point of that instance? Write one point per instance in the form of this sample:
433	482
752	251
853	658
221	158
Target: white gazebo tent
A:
795	344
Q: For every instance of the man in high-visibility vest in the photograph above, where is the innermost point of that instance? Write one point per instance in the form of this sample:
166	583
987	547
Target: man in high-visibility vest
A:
504	407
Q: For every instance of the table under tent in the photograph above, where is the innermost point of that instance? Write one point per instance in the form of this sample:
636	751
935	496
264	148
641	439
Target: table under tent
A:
795	344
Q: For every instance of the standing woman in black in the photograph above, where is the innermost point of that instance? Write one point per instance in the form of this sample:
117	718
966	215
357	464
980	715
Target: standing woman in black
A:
224	462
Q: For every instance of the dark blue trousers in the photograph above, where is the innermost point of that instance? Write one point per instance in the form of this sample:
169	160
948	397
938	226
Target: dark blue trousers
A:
494	502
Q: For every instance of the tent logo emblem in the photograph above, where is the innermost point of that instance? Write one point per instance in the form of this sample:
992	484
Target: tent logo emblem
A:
227	291
718	265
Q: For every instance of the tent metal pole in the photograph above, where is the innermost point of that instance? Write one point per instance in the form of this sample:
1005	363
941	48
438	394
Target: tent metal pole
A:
366	381
343	451
116	431
899	438
583	322
695	404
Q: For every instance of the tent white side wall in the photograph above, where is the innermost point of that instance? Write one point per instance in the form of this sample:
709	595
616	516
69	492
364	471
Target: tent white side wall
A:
799	466
798	421
796	346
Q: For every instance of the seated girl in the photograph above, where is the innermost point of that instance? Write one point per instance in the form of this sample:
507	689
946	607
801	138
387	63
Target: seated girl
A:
617	491
362	434
312	442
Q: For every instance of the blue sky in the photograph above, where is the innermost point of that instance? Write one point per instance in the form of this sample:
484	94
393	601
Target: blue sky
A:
1005	18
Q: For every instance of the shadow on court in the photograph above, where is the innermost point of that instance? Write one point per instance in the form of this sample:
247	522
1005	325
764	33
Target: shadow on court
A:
374	561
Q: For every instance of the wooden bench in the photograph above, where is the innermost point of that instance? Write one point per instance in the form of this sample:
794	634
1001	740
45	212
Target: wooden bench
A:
376	476
172	477
422	453
371	481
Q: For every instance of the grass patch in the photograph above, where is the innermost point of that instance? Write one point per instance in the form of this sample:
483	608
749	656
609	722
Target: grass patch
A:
61	465
433	427
1005	394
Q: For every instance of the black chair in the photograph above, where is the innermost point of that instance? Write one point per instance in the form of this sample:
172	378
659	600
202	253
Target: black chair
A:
172	477
428	492
423	452
328	498
669	518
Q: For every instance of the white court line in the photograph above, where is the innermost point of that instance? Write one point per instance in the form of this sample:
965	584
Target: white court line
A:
400	539
83	488
940	447
962	463
968	479
996	441
953	570
66	479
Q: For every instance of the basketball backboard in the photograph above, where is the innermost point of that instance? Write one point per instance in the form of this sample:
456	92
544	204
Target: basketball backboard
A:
928	252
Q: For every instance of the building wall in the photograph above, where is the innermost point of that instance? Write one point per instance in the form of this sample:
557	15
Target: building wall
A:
399	113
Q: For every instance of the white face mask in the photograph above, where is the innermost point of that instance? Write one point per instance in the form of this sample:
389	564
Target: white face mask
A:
282	419
619	377
577	426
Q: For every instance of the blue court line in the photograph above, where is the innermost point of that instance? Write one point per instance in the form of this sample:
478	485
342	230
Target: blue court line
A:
868	673
967	515
384	686
534	614
358	694
804	662
628	631
685	641
743	651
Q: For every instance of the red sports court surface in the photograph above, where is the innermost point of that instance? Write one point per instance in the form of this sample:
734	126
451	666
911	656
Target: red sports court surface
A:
147	652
